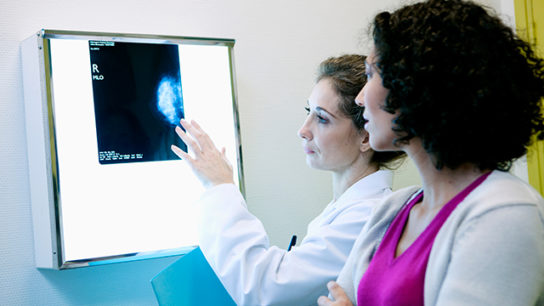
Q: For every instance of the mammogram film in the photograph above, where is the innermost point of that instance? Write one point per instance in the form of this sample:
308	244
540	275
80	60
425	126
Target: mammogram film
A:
138	100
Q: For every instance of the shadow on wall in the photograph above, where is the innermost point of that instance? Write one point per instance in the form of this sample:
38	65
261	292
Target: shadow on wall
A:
113	284
406	175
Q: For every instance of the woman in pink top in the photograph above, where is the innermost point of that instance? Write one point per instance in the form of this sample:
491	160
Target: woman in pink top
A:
453	87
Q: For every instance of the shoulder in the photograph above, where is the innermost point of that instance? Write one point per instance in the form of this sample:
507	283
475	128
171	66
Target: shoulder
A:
499	222
502	200
501	190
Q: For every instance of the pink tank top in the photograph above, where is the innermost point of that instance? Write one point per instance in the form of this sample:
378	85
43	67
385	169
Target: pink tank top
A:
400	281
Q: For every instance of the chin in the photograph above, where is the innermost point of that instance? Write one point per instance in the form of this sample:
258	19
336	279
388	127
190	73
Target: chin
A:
312	163
380	146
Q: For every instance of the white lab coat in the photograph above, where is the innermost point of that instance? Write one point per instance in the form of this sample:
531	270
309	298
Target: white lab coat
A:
254	273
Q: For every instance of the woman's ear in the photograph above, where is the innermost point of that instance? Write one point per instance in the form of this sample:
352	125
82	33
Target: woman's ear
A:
365	142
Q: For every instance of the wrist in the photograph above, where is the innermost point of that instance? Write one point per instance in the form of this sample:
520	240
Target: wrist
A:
210	185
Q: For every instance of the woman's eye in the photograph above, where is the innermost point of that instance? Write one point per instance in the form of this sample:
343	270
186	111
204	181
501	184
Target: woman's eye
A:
322	119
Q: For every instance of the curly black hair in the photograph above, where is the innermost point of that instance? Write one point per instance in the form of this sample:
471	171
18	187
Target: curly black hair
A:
461	81
347	75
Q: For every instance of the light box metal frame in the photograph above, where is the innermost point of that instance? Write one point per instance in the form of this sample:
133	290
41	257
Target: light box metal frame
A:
42	145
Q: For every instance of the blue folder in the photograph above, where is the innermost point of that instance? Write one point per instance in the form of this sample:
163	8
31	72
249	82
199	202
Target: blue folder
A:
190	281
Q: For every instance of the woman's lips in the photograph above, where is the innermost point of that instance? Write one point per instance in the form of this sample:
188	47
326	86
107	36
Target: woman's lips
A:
308	151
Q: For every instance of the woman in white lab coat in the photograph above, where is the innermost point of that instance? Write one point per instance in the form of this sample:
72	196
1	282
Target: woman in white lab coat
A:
234	241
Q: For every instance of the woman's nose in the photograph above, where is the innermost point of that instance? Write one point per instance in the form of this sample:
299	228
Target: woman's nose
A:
359	100
304	131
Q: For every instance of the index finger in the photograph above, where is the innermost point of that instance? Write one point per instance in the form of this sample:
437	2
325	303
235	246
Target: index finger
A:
191	144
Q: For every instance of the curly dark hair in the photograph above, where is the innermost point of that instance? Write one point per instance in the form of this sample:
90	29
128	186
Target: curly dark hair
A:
461	81
347	75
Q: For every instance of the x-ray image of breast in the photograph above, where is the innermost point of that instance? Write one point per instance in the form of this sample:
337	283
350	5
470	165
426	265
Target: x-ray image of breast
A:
169	99
138	100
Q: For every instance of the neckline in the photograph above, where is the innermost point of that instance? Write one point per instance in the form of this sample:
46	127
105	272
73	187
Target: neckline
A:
448	208
406	211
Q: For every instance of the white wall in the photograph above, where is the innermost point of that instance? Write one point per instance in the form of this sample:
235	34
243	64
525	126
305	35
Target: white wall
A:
279	44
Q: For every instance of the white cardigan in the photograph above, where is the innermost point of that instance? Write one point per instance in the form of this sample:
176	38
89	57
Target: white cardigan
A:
490	251
236	245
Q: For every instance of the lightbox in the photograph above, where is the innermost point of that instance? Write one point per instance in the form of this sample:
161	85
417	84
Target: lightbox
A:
100	110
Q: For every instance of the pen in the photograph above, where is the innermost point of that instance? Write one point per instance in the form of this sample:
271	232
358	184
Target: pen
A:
292	243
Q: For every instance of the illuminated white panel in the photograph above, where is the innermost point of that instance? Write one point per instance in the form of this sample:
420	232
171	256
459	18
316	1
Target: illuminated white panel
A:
131	206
